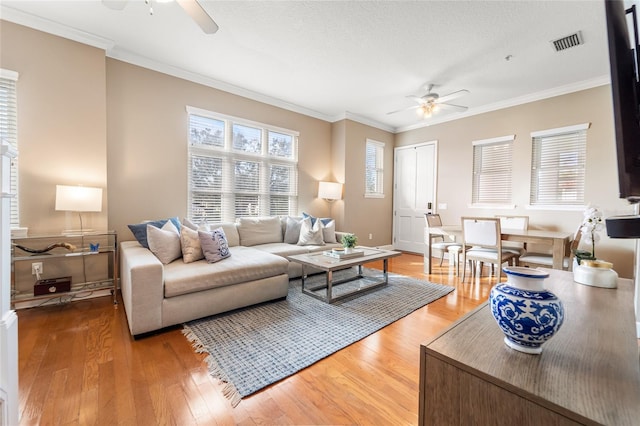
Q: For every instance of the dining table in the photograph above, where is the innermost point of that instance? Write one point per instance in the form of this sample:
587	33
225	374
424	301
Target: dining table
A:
557	241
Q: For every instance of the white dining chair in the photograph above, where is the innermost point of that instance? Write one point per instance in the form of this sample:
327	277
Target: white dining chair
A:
545	260
451	247
482	242
521	223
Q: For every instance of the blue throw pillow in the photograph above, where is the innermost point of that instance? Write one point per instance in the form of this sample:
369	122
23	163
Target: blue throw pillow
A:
323	220
139	230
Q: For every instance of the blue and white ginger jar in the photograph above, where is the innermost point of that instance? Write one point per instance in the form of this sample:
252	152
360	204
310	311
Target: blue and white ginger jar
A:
528	314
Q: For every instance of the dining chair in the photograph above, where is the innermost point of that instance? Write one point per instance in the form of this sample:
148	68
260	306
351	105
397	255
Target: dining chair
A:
521	223
545	260
482	242
453	248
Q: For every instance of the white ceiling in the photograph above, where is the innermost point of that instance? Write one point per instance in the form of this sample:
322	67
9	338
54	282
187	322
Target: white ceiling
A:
354	59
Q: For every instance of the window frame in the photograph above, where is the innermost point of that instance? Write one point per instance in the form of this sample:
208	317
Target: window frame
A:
220	199
571	134
500	141
9	134
377	170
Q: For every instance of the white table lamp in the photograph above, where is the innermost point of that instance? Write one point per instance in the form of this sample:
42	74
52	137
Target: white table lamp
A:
78	199
330	191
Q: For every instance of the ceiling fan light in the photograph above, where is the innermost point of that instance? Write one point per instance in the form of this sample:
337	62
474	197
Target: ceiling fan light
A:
435	108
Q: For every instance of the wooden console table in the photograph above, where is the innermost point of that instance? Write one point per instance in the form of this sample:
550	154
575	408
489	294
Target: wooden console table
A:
588	373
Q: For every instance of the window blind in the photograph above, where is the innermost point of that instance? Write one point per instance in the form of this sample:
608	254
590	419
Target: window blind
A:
9	132
558	167
492	171
239	168
374	168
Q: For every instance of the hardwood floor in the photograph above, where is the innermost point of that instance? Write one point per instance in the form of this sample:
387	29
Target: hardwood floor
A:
79	365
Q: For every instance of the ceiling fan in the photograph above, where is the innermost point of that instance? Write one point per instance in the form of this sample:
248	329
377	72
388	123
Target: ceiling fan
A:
431	102
192	7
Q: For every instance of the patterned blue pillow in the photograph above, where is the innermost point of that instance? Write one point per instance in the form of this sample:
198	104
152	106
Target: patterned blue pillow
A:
214	245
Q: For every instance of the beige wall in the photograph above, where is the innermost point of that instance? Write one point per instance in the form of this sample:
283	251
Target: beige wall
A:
147	140
364	216
61	123
455	163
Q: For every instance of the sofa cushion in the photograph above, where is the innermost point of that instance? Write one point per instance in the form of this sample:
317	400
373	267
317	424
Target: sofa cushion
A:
230	229
310	235
214	245
292	230
190	244
329	231
164	242
139	230
259	230
244	264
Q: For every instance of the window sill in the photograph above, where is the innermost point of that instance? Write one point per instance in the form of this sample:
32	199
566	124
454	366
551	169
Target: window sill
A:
572	208
492	206
370	195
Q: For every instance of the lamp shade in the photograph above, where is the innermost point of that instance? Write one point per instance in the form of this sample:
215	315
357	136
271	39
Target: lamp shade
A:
78	198
330	190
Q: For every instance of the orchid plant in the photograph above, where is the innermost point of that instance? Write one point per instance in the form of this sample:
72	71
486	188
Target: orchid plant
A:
592	224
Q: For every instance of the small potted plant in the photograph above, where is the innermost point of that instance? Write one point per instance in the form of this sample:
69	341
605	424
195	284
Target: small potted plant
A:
349	241
591	225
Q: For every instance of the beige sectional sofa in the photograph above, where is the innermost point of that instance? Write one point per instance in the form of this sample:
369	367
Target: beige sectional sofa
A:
158	295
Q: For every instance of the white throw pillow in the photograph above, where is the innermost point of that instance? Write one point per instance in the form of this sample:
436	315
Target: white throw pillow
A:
164	242
190	244
328	231
310	235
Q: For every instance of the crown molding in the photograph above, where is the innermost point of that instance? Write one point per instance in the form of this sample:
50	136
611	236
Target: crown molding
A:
134	59
363	120
21	18
532	97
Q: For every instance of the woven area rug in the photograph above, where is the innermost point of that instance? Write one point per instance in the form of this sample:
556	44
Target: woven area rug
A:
254	347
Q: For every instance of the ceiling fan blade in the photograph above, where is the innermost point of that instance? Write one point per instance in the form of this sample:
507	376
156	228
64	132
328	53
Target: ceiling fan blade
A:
452	96
115	4
198	14
418	99
453	107
403	109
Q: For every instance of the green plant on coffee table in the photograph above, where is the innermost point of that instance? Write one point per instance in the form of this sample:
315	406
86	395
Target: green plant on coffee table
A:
349	240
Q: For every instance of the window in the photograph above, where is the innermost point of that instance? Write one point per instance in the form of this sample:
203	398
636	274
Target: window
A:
240	168
374	169
558	166
492	169
9	132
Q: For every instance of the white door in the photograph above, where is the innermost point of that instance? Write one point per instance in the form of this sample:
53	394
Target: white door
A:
414	192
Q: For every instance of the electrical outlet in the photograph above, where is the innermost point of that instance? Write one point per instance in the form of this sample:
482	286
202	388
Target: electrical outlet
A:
371	236
36	268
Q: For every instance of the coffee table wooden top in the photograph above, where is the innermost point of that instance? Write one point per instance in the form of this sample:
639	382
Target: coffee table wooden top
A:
327	263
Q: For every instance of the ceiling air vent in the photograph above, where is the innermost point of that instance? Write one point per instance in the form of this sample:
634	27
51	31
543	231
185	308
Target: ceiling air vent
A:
568	41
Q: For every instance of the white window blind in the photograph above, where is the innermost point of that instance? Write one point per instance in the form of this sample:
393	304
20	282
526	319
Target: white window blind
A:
492	170
374	169
558	166
239	168
9	132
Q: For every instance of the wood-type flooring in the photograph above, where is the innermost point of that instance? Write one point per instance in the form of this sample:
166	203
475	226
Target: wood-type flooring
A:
79	365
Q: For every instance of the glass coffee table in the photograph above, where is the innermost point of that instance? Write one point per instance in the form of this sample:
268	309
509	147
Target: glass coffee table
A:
329	264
